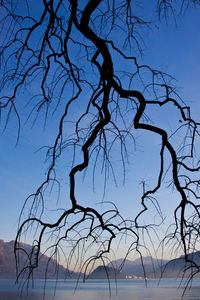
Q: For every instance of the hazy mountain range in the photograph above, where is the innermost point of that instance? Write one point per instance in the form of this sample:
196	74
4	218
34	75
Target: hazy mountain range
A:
8	266
148	265
154	268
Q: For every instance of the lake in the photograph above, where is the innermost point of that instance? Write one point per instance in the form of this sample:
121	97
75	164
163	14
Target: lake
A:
99	290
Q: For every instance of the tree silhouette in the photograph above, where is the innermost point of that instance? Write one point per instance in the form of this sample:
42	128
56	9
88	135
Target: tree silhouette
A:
68	53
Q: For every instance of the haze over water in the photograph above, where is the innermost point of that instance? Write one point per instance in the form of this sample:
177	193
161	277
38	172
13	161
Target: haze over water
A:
99	290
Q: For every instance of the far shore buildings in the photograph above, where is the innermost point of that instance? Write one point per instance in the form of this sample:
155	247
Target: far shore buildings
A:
133	277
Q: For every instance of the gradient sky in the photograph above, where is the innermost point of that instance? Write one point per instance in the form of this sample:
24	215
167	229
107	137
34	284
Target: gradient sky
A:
175	50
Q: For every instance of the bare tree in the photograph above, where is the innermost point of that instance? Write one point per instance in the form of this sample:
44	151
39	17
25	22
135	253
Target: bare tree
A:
69	55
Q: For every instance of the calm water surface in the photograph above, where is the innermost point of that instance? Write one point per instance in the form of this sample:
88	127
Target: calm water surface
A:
168	289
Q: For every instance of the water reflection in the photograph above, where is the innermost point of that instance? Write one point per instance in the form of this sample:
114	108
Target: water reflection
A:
99	290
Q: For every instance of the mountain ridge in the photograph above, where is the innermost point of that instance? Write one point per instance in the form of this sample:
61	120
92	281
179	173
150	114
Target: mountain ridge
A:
138	267
157	268
8	265
120	268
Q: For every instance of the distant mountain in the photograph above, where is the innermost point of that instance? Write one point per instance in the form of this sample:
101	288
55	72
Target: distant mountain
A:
8	266
179	268
104	272
156	268
150	265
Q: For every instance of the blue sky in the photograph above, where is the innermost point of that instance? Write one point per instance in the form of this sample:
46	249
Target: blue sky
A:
175	50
